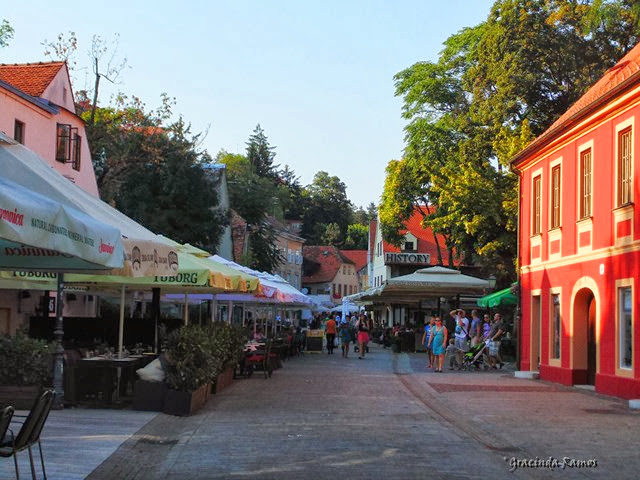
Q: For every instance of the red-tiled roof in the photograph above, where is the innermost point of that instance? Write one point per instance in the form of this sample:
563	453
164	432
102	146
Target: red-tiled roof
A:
31	78
238	236
426	240
358	257
616	76
328	261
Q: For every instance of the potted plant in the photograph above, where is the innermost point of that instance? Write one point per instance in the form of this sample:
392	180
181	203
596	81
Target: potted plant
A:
190	369
228	342
25	368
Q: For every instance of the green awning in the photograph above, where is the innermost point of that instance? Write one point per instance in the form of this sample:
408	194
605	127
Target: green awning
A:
503	297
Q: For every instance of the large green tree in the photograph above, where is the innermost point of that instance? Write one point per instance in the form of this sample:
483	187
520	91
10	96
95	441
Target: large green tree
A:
326	203
493	88
155	173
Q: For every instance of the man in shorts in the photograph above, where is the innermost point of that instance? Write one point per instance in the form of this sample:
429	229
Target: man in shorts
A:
495	333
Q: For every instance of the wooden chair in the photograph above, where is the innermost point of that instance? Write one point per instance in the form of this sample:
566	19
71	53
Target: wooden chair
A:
260	359
29	433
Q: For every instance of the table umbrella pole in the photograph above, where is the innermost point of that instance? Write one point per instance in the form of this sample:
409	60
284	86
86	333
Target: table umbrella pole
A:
121	324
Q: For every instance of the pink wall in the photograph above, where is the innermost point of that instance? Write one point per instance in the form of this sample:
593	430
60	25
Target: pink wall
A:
40	129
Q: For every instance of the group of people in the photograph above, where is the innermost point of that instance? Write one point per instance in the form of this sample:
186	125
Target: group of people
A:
466	334
346	331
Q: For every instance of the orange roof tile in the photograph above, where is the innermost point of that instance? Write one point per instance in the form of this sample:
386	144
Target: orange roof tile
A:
359	257
31	78
615	77
325	261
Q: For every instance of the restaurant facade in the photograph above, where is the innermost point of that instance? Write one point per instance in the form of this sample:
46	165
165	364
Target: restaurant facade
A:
579	240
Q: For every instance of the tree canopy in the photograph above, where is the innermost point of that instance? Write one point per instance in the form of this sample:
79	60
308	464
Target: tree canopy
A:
155	173
493	88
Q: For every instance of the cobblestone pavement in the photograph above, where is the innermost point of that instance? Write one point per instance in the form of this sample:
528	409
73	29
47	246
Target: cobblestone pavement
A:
386	416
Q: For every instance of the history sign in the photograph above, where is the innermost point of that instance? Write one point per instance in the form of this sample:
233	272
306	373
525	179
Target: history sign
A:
407	258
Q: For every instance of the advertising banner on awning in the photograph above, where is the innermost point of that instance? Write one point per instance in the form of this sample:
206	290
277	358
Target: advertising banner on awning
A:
37	232
144	253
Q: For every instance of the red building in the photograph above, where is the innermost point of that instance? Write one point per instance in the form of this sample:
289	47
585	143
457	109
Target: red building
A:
579	240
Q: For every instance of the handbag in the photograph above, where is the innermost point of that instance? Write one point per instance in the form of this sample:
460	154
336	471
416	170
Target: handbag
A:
336	342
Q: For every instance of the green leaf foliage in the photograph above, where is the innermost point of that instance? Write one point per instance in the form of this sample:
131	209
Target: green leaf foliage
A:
493	88
25	361
155	174
196	355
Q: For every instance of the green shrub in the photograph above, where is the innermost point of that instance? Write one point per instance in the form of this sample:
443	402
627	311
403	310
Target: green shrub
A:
197	355
25	361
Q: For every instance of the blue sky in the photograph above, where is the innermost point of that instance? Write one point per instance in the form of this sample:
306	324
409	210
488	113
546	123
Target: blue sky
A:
317	75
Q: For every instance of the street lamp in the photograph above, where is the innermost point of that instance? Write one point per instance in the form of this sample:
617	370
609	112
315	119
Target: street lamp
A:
492	281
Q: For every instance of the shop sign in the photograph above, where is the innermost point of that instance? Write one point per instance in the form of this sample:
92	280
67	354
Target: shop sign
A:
407	258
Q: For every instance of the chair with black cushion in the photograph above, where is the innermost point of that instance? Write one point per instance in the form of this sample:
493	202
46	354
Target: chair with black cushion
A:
260	359
29	433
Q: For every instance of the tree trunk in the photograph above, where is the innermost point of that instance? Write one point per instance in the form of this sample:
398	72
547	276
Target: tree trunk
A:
94	104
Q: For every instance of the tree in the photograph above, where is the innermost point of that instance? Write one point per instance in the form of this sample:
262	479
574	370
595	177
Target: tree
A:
6	33
155	175
372	211
290	194
332	235
260	154
110	72
327	203
62	49
253	197
357	237
493	88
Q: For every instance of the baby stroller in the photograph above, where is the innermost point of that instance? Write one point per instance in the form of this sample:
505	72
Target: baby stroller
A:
474	358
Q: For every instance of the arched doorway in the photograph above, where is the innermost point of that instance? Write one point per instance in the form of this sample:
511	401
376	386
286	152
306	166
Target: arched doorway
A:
584	337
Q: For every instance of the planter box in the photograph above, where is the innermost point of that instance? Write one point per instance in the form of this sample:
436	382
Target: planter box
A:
21	397
149	396
223	380
185	403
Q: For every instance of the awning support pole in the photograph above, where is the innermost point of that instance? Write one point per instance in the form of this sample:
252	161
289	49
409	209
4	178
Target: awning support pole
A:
58	356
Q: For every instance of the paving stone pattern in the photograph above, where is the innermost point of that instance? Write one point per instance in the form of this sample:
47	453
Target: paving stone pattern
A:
327	417
387	416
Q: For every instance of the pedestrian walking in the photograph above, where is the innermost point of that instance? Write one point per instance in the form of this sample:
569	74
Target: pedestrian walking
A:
438	343
426	336
330	333
495	333
363	338
345	338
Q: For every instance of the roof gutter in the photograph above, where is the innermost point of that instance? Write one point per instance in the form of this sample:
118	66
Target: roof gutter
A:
38	102
548	137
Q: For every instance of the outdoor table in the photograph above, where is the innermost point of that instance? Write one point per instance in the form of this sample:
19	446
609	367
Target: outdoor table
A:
253	346
114	375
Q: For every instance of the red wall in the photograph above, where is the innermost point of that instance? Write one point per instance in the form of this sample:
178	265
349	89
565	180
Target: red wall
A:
571	267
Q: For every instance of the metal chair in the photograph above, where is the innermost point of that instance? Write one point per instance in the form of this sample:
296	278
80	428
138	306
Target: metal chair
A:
29	433
5	420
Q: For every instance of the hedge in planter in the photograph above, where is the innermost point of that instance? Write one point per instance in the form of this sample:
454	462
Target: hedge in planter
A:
25	368
195	357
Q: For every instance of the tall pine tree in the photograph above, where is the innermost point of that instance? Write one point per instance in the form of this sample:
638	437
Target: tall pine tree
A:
260	154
